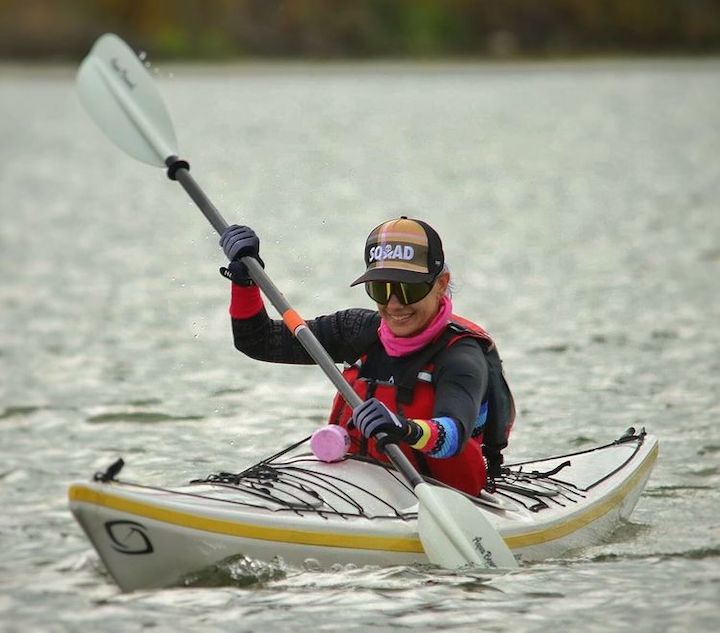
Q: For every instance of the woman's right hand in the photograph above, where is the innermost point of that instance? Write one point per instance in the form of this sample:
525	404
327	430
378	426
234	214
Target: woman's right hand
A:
240	241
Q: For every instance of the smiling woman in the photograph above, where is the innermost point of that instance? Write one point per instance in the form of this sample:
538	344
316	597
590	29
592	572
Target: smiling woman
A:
430	380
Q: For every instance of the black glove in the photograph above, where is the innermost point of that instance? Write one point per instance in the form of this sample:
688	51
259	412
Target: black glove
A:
237	272
237	242
373	417
240	241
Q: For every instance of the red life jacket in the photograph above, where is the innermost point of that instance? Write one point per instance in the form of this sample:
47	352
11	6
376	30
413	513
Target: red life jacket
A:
465	471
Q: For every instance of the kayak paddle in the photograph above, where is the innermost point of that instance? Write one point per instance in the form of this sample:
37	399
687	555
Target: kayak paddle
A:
121	97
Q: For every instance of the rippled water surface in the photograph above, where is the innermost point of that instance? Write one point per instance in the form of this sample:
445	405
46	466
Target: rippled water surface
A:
579	207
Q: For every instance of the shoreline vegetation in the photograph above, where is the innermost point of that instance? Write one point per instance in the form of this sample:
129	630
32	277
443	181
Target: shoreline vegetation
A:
359	30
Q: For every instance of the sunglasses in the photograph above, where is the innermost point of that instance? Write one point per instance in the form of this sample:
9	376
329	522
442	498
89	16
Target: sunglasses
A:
406	293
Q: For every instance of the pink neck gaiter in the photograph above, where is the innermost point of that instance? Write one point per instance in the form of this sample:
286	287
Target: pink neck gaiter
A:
405	345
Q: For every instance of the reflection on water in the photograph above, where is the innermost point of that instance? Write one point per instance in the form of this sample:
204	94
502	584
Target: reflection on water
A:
578	204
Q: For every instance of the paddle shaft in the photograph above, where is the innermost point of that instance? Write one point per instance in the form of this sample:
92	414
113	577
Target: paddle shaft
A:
180	170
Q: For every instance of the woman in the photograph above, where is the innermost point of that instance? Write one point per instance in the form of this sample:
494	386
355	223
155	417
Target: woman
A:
430	380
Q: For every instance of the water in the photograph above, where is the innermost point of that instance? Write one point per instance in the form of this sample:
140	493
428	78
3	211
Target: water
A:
579	207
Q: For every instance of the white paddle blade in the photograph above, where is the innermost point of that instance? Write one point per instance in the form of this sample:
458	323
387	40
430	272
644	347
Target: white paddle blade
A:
121	97
455	532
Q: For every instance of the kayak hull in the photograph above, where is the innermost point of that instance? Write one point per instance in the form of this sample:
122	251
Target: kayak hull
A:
302	510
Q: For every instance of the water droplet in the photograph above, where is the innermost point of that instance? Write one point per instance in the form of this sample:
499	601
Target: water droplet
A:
142	55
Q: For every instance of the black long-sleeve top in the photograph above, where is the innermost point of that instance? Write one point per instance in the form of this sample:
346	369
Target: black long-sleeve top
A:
460	372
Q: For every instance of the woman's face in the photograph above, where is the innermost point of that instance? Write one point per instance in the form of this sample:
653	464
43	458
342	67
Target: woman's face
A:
411	319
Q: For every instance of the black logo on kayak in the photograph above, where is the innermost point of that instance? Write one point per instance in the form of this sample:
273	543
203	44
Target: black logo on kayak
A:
129	537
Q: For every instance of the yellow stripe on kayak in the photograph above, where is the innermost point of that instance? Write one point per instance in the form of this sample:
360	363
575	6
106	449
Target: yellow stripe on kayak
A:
83	494
593	514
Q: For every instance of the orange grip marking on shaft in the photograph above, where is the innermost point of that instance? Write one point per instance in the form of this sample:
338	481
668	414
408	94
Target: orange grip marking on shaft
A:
292	320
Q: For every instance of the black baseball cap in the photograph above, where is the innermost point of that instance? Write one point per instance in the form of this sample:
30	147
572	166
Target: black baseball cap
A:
402	250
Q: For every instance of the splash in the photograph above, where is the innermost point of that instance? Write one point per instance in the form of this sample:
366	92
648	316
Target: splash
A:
236	571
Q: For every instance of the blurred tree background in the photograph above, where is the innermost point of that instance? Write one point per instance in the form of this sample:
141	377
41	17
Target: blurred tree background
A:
327	29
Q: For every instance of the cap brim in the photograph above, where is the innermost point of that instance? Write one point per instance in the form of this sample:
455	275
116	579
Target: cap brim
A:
393	274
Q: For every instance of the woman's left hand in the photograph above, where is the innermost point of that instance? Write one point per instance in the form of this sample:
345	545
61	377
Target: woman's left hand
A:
373	417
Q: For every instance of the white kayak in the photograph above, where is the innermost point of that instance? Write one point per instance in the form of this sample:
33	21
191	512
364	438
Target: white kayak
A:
300	509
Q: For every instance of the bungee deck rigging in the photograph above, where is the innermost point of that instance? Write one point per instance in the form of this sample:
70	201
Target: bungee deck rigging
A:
292	486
